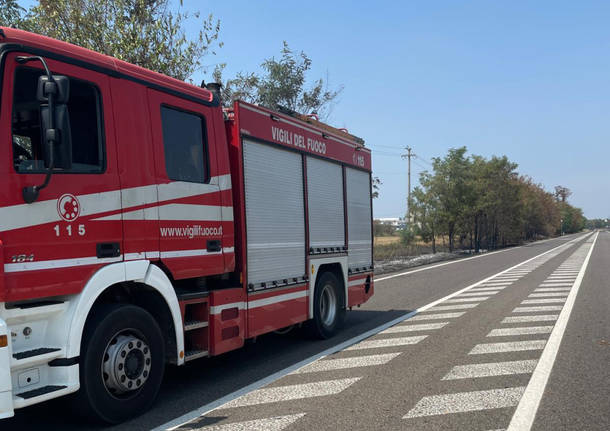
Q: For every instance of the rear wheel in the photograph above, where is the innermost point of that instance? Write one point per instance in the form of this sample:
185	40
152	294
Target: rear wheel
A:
328	309
122	362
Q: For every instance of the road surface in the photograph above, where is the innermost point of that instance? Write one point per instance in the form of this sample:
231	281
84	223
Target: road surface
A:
518	339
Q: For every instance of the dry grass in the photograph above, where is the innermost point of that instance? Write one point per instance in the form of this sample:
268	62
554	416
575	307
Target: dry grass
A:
391	247
385	240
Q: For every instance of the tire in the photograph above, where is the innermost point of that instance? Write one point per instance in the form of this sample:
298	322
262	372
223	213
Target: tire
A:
121	364
328	307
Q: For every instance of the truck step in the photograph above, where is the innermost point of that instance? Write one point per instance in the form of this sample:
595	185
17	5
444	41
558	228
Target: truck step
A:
194	324
195	354
40	391
35	352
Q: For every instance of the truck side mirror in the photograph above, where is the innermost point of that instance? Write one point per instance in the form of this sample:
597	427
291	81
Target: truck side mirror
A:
56	134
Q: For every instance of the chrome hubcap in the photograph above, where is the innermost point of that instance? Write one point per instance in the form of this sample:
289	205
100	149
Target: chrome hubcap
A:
328	305
127	363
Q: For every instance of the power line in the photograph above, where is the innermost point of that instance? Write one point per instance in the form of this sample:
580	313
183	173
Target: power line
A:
425	161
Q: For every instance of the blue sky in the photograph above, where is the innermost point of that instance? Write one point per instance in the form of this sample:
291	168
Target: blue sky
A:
529	80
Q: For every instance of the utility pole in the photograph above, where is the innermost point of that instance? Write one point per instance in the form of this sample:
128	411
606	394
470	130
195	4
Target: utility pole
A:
408	157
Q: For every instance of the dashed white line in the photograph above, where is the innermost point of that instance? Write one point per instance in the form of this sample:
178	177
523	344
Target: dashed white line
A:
292	392
524	415
530	264
544	301
438	316
387	342
277	423
539	308
473	299
491	369
451	307
482	290
524	330
547	294
344	363
553	289
414	327
466	402
532	318
477	293
516	346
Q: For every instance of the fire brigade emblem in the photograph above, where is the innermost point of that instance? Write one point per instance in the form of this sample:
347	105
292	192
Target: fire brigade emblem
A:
68	207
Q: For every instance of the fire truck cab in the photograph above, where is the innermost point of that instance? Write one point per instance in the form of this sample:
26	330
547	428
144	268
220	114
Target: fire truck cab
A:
141	224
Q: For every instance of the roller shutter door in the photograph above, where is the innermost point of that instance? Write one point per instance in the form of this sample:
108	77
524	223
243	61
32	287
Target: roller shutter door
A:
275	220
325	204
359	218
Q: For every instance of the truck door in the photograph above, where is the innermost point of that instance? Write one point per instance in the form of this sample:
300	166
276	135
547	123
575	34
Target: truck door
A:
190	205
53	245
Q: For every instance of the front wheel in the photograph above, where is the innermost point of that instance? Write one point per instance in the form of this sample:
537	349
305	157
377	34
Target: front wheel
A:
328	309
122	362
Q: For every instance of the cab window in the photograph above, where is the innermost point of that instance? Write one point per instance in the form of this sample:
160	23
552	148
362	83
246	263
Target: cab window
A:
84	108
185	145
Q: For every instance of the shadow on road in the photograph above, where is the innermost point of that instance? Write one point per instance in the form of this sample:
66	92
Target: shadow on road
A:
200	382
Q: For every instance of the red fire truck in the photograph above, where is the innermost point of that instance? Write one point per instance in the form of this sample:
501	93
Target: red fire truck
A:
141	224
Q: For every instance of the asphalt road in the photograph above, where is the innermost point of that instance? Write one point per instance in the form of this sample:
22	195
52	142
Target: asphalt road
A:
522	341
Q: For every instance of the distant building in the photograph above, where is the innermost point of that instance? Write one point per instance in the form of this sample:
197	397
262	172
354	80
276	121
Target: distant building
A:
397	222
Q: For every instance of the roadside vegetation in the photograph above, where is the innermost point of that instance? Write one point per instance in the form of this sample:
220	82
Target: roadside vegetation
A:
473	203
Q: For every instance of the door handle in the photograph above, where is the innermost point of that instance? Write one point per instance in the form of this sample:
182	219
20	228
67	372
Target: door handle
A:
108	249
214	245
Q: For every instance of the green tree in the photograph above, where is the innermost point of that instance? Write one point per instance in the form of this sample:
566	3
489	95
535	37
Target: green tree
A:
425	212
282	83
450	186
11	14
376	184
142	32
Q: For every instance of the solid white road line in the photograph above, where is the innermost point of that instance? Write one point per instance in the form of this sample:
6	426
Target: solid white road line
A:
412	328
292	392
437	316
387	342
277	423
516	346
524	330
537	309
532	318
547	294
524	415
556	284
473	299
466	402
543	301
343	363
491	369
